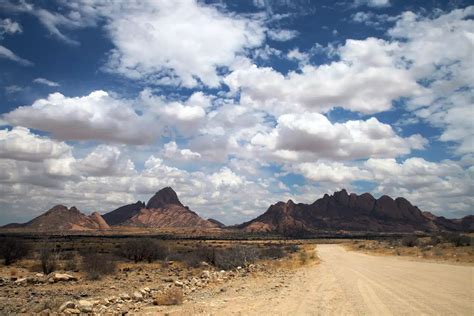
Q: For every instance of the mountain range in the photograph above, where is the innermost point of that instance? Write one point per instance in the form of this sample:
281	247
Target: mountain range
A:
338	212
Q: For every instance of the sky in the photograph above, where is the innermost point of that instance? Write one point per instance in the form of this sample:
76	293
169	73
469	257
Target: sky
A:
235	104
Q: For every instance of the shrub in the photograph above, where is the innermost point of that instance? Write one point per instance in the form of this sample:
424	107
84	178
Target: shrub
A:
303	257
97	265
272	253
409	241
13	249
48	259
457	239
231	258
146	249
292	248
172	296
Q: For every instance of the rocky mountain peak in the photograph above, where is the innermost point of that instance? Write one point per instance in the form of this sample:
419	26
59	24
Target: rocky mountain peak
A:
166	196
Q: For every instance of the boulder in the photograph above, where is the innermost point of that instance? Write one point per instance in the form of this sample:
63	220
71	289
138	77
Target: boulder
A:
59	277
85	306
66	305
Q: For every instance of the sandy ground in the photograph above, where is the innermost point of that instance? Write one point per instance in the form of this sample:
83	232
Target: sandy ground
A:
345	283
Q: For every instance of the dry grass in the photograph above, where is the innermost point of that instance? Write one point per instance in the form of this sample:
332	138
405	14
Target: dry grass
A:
445	252
172	296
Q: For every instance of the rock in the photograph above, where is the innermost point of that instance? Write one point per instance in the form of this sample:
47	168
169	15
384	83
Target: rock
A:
45	312
66	305
205	274
58	277
178	283
125	296
138	296
21	281
85	306
71	311
39	275
167	279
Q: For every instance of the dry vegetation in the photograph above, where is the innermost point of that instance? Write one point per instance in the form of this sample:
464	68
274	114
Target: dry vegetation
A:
171	270
446	247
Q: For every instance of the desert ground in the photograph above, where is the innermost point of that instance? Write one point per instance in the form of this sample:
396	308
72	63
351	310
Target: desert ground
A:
296	277
347	283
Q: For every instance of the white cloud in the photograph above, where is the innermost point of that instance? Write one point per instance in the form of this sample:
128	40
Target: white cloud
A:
439	51
106	161
171	151
366	79
373	3
53	21
281	35
97	116
313	136
334	172
46	82
444	187
226	178
8	54
7	26
20	144
146	47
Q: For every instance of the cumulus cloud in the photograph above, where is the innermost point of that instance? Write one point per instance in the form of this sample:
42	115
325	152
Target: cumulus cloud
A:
8	54
145	42
20	144
46	82
443	187
106	161
97	116
334	172
171	151
366	79
439	51
313	135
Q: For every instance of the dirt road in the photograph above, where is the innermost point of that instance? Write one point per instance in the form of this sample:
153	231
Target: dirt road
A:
348	283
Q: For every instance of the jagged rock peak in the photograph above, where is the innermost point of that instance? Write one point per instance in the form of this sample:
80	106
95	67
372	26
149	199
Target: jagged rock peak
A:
61	209
166	196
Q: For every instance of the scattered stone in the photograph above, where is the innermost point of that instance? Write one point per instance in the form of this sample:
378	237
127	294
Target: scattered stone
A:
178	283
67	305
21	281
205	274
58	277
137	295
125	296
71	311
85	306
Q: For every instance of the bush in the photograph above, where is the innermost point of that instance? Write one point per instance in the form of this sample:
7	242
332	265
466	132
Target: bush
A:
146	249
272	253
232	258
457	239
409	241
13	249
49	259
304	257
97	265
172	296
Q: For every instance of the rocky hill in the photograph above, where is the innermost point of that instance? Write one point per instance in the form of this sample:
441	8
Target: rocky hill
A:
60	218
351	212
164	209
123	213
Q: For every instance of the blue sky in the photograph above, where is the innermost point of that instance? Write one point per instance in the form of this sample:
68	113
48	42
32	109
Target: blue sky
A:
236	105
